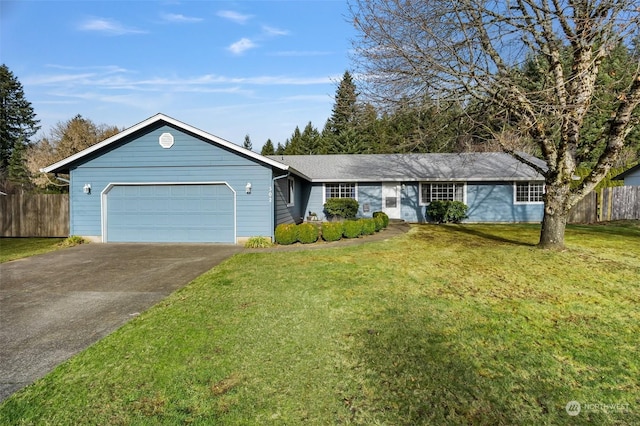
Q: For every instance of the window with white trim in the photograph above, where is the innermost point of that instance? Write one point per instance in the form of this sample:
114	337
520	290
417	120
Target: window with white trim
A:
528	192
291	191
441	191
339	190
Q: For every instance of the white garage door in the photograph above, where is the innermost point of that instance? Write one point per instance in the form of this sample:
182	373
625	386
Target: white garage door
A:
170	213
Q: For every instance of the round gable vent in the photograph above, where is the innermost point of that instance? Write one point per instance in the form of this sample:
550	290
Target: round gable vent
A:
166	140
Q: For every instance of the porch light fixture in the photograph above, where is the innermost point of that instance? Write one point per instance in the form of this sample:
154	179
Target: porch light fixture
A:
248	187
87	188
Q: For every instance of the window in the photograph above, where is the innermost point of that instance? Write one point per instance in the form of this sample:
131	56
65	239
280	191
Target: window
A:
291	190
529	192
339	190
444	191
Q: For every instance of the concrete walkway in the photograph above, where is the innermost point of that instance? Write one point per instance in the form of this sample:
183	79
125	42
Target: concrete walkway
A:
54	305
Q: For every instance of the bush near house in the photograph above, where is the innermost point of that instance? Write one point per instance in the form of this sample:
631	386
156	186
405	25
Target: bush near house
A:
286	233
308	233
368	226
383	216
352	228
447	211
341	208
332	231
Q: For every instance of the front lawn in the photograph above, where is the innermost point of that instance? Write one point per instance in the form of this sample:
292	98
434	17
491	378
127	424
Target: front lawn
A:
17	248
456	324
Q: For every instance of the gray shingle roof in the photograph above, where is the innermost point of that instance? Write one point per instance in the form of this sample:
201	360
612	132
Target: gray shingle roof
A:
485	166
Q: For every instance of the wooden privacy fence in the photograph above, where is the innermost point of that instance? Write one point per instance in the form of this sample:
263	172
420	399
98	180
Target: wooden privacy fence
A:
34	215
617	203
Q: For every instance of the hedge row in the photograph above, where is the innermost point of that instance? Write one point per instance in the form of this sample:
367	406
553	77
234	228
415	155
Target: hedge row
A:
307	233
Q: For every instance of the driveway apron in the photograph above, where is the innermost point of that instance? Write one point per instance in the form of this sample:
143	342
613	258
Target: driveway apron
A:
54	305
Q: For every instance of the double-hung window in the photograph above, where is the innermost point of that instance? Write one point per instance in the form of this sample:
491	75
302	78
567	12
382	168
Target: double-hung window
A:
441	191
339	190
528	192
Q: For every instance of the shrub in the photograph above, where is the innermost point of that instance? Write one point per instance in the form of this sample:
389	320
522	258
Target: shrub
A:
379	223
286	233
258	242
332	231
383	216
307	233
368	226
72	241
447	211
345	208
352	228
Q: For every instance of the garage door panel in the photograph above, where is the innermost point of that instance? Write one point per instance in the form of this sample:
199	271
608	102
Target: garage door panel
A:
170	213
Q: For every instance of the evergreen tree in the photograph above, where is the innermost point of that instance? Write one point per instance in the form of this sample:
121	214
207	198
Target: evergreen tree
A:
338	132
247	143
17	171
310	140
280	149
267	148
294	146
17	124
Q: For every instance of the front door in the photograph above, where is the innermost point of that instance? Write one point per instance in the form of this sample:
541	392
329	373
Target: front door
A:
391	199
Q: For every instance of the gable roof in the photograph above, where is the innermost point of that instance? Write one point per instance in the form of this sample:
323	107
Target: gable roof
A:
627	172
476	166
63	165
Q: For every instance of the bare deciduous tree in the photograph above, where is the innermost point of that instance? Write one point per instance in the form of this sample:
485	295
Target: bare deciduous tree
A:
474	51
65	139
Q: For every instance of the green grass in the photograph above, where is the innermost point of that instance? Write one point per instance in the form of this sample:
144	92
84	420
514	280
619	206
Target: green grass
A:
18	248
455	324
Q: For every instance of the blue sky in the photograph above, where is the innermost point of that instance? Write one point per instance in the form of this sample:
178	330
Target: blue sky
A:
230	68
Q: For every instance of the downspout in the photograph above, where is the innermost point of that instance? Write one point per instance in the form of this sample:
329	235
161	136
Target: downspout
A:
272	199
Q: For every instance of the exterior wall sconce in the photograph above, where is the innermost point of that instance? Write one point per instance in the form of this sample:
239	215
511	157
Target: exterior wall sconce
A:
87	188
248	188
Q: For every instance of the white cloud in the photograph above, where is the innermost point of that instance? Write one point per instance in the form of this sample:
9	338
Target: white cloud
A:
177	17
241	46
108	26
272	31
236	17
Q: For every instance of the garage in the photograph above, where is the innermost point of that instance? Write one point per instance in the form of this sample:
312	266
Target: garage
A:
176	212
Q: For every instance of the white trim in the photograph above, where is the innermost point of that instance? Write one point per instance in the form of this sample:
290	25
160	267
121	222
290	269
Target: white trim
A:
105	191
324	189
529	183
422	203
172	121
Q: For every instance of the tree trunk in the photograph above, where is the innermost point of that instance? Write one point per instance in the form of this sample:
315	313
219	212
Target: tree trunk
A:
552	233
556	213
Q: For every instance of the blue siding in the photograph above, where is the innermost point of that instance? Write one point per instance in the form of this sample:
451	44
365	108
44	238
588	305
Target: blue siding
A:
487	201
369	194
410	209
290	213
141	159
494	202
633	179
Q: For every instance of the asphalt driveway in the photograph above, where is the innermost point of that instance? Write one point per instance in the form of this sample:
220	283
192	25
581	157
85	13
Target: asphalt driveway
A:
56	304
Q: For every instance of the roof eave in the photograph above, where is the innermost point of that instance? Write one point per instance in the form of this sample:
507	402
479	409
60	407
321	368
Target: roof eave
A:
63	165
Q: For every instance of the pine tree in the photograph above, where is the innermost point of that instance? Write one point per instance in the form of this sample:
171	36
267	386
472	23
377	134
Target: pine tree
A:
340	129
247	143
267	148
17	124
